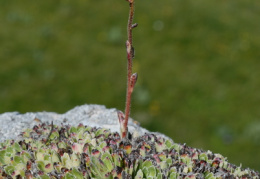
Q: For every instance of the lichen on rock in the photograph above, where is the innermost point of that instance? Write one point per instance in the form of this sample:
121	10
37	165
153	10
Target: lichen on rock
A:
52	151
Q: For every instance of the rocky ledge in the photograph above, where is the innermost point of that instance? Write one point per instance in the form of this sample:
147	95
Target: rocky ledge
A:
13	123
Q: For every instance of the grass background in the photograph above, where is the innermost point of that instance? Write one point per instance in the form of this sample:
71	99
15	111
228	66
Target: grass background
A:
198	65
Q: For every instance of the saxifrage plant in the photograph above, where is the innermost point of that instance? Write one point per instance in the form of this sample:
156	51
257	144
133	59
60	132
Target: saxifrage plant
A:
82	152
67	152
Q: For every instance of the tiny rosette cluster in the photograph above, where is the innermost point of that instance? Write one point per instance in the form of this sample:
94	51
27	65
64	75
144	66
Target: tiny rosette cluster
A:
49	151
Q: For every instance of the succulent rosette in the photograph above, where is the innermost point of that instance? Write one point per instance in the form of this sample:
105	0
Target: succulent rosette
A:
50	151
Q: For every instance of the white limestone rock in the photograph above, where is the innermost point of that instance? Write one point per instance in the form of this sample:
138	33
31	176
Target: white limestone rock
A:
13	123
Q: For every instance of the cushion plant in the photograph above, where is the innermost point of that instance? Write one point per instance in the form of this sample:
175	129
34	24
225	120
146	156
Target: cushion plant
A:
51	151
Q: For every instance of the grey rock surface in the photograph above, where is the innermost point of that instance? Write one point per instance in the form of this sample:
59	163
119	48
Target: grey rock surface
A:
13	123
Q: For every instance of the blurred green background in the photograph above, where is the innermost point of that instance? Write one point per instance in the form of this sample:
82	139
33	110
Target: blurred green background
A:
198	63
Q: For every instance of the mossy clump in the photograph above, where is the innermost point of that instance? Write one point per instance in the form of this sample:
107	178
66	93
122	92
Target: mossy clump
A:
50	151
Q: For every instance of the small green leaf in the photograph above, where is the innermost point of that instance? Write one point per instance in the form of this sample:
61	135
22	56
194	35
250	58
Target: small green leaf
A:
152	171
139	174
100	131
47	157
145	171
147	163
65	160
169	144
169	161
163	165
108	164
54	135
62	144
203	156
173	175
159	176
9	169
117	160
185	158
40	155
54	156
74	160
177	147
74	174
17	147
209	175
2	156
18	159
162	156
106	155
142	151
73	130
102	145
40	165
160	146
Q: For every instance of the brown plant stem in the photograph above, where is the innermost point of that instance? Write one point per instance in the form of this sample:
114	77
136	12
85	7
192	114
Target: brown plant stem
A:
131	78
